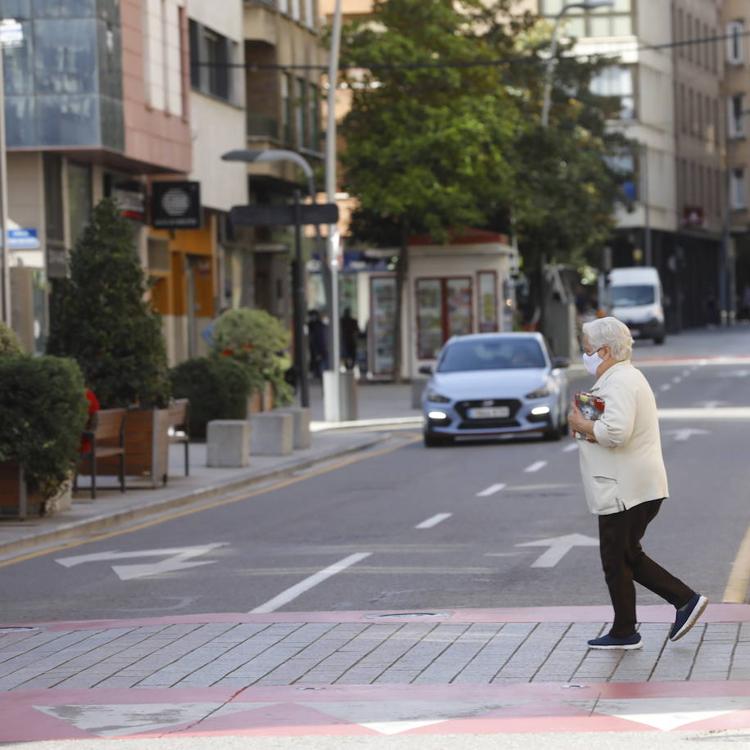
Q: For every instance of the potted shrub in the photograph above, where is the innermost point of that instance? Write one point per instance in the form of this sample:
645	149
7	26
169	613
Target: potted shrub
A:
217	388
258	341
43	410
101	318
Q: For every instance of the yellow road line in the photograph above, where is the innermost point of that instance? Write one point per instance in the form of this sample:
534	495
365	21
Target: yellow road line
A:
237	498
739	578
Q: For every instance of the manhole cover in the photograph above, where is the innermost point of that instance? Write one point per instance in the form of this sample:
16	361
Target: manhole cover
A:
407	615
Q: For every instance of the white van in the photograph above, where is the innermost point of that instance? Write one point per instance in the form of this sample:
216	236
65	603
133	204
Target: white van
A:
635	298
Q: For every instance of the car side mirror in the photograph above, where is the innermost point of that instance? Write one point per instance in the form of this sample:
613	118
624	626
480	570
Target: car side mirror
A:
560	363
425	370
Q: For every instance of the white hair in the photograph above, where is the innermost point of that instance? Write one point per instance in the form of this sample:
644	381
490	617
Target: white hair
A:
612	333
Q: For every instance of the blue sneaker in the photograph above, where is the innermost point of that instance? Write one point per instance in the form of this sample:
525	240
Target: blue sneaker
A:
630	643
687	616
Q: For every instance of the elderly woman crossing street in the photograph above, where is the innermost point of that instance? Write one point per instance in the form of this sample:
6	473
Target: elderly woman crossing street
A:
625	483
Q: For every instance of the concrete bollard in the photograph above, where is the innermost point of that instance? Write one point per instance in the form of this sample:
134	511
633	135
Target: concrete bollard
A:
301	426
228	443
272	434
417	388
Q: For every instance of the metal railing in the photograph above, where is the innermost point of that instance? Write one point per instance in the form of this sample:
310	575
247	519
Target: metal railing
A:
262	126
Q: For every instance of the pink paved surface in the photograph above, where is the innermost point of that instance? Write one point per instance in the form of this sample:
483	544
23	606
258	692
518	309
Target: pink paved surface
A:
373	710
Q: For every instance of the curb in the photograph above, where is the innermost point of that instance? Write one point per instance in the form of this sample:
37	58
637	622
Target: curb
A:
145	509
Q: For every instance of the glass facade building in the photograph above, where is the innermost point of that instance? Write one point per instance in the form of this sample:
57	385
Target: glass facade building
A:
63	85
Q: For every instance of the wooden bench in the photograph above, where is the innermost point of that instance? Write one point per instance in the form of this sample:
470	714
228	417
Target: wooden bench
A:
179	428
104	438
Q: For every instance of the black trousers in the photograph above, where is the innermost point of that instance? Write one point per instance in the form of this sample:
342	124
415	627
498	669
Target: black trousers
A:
624	562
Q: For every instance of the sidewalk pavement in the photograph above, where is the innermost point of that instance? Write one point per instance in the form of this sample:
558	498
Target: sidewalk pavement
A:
203	484
371	674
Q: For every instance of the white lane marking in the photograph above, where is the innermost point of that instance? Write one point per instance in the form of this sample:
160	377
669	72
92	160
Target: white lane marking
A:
728	412
677	380
292	593
491	490
570	448
711	404
536	466
666	387
559	546
682	436
685	373
434	521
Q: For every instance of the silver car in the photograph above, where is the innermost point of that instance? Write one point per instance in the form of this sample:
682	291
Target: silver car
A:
495	384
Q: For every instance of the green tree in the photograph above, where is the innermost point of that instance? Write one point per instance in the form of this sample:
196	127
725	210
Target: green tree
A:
426	146
102	319
9	344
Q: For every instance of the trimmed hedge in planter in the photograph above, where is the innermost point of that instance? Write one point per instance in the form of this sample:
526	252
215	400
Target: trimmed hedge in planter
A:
217	389
43	410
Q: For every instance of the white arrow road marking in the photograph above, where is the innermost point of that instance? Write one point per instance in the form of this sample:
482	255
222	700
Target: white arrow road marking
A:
292	593
491	490
176	559
682	436
666	387
536	466
559	546
434	521
570	448
670	713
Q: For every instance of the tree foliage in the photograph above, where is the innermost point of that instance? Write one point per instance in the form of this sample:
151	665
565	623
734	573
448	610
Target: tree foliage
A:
9	343
459	143
43	409
102	319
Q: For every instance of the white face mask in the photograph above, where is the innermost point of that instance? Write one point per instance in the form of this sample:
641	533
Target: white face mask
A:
591	362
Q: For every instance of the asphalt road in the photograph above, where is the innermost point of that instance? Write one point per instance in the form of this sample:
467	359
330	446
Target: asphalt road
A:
480	545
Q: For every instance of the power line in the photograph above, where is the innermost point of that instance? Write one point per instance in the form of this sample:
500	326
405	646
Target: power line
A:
463	64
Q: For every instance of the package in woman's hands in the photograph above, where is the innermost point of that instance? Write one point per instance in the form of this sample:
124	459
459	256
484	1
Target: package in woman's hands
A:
590	406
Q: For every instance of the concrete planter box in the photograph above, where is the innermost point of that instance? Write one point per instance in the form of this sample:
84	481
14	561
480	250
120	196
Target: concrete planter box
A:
146	448
13	494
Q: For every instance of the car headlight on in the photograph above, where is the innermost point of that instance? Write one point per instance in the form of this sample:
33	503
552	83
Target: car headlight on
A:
541	392
437	398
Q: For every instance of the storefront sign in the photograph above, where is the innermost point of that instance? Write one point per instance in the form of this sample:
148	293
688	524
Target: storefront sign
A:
131	200
694	216
176	205
23	239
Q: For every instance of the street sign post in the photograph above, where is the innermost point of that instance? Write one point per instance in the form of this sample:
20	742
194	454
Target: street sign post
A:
296	215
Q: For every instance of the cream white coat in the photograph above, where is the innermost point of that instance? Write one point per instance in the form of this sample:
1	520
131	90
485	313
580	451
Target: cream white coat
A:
625	467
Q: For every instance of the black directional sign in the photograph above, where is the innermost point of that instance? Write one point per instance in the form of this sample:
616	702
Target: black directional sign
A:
264	216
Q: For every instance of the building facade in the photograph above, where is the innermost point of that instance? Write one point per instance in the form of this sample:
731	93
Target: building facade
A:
83	124
189	266
736	91
285	57
668	70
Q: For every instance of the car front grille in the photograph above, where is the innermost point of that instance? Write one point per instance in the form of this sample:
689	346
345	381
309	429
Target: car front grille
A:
462	407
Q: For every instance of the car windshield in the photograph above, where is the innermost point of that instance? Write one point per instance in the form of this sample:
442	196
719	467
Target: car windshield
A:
629	296
492	354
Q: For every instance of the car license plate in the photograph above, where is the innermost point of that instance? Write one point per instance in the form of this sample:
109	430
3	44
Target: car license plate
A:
489	412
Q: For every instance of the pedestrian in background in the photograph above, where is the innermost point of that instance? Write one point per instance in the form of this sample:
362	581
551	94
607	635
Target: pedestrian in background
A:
317	338
349	339
625	483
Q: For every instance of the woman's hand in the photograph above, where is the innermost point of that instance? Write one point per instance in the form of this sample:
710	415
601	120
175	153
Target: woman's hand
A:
579	423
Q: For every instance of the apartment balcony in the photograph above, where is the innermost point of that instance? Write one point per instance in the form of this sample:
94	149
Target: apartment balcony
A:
262	128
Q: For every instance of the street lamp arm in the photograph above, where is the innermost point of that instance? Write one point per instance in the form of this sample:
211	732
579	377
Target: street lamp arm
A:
274	155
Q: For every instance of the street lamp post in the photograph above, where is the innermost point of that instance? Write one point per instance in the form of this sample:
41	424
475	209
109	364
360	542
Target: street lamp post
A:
552	61
298	275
